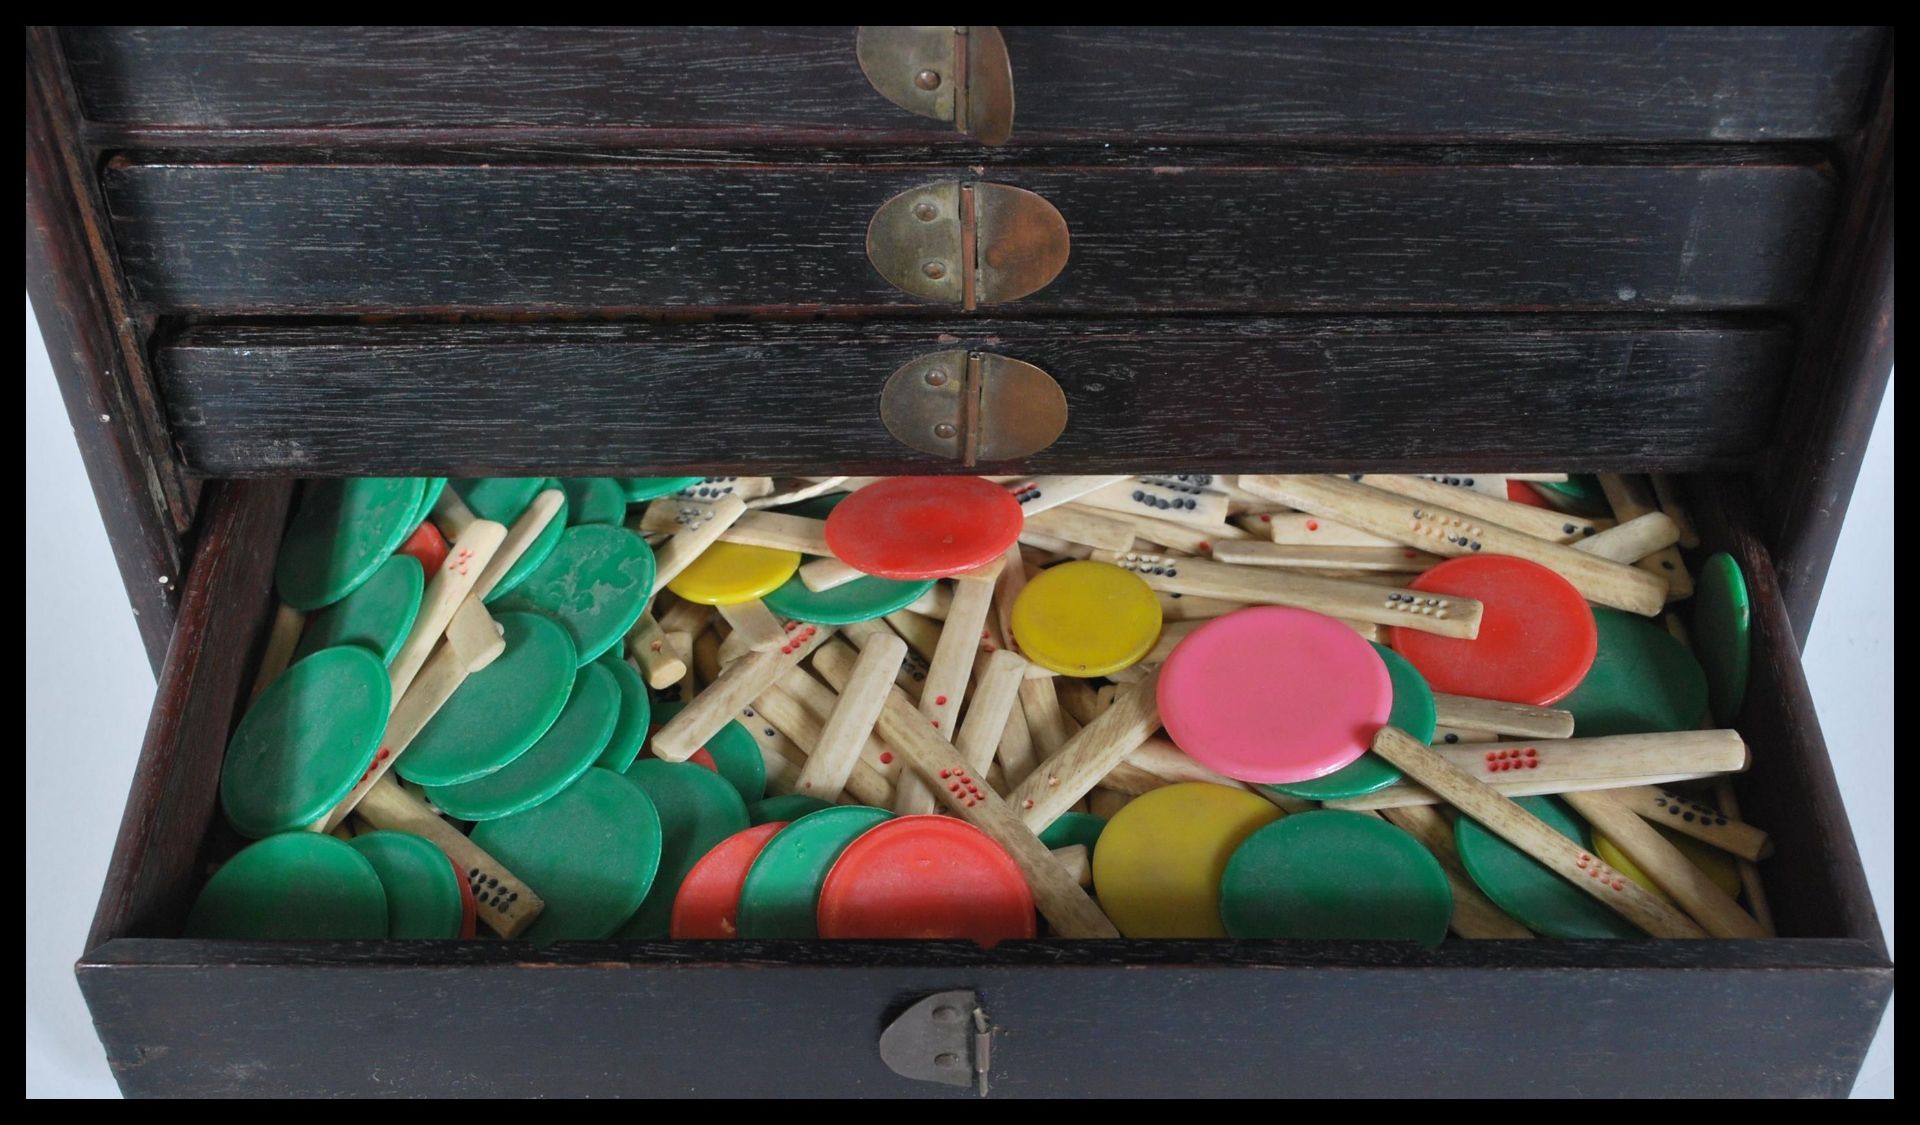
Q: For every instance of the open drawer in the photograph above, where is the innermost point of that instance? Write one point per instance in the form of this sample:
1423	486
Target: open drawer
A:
1116	1018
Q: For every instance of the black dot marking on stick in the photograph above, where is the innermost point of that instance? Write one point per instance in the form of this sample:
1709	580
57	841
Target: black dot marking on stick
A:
1452	738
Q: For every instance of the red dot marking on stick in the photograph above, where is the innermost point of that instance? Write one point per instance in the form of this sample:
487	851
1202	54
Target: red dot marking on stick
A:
939	701
886	759
1313	525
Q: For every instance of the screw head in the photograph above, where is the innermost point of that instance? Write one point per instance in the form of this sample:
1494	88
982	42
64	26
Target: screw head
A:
937	377
925	212
934	270
945	430
946	1060
927	80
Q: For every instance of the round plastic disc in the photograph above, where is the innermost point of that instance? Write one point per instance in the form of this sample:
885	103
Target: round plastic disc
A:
1537	636
733	753
636	714
1413	712
1335	875
1161	857
781	895
376	616
499	711
537	552
731	573
926	877
297	885
1529	892
1723	633
595	583
786	806
594	500
1520	492
1074	828
423	888
426	546
652	488
1274	694
500	499
862	599
305	742
698	809
708	903
924	527
591	851
1086	619
562	754
344	530
1718	865
1642	680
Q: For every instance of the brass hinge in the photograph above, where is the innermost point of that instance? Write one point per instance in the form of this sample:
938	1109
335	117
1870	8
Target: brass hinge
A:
957	74
968	244
973	406
944	1038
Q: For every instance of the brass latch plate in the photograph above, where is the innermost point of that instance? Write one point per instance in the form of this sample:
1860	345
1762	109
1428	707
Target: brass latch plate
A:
968	244
973	406
948	73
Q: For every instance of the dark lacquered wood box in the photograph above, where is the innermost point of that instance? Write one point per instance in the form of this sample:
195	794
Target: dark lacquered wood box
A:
263	254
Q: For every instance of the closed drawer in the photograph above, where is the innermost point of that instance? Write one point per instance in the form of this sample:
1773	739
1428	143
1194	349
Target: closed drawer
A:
1295	394
1159	232
803	84
1127	1018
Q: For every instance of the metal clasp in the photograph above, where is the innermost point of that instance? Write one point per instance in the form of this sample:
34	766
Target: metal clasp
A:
973	406
944	1038
957	74
968	244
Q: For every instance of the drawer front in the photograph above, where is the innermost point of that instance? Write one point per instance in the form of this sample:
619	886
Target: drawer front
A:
1071	83
1223	395
1741	232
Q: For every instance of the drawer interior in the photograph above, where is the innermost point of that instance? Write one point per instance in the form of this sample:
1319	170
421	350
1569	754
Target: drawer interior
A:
173	829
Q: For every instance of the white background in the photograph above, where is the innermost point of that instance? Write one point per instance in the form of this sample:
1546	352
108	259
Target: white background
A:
89	688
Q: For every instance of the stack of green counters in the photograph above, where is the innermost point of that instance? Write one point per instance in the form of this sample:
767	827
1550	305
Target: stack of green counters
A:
501	710
376	616
636	714
567	749
785	807
343	532
1413	711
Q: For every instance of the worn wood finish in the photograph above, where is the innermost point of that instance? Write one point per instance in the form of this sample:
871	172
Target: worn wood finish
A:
1107	83
1814	874
97	358
712	398
1840	378
787	1019
359	238
223	624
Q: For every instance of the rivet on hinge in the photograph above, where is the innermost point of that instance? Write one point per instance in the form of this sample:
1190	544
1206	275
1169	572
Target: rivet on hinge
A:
969	244
948	73
943	1038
